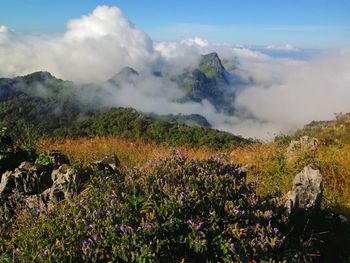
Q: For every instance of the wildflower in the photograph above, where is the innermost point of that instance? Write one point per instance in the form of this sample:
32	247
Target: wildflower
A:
91	226
182	194
187	186
122	229
201	234
255	200
190	222
84	244
108	212
275	230
269	215
95	238
147	225
95	213
232	246
39	210
82	207
200	225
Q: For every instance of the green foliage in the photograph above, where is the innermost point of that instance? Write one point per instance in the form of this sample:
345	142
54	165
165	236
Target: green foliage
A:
129	123
168	210
44	159
10	154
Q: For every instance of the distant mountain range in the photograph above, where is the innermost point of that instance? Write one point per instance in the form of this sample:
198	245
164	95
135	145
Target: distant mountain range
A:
53	106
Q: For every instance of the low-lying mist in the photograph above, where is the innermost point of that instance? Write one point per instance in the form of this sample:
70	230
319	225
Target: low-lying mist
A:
280	94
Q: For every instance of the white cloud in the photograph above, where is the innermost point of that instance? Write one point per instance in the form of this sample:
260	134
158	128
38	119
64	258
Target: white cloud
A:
287	47
93	48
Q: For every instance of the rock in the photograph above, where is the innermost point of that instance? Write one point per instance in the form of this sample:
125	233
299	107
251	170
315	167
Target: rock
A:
27	179
7	183
33	186
107	164
307	191
58	159
304	142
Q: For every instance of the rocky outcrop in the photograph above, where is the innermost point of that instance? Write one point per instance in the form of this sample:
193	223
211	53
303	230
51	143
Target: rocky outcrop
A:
305	143
34	186
306	193
108	164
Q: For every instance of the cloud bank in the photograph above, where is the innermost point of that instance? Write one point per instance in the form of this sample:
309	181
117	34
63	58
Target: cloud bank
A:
283	93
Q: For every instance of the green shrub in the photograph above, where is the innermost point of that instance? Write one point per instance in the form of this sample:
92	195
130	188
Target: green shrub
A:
10	155
168	210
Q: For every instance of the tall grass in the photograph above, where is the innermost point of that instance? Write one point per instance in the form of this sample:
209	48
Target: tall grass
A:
269	166
87	150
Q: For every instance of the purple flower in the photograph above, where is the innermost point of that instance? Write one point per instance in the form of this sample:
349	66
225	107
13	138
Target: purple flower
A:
255	200
182	194
201	234
95	238
108	212
161	181
82	207
211	176
187	186
90	240
232	246
95	213
275	230
190	222
84	244
200	225
147	225
39	210
122	229
269	215
91	226
129	229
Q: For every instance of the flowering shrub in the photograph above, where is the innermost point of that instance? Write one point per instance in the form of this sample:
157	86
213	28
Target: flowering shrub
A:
167	210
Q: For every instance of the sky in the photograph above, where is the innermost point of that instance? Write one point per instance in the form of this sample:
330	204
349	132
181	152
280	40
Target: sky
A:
311	23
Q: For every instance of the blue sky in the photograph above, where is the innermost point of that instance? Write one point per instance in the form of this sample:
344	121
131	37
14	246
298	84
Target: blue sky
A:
305	23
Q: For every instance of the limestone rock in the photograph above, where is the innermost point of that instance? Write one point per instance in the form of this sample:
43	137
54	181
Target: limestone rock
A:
108	164
307	191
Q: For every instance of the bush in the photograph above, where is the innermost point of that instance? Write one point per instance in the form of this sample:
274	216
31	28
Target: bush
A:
10	155
167	210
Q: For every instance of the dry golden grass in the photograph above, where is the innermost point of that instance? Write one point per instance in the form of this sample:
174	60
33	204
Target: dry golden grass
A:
270	167
87	150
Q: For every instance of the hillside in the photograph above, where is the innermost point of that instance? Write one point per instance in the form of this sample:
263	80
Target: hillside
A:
45	105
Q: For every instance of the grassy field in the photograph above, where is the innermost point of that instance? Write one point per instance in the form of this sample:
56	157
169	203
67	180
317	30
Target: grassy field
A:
269	166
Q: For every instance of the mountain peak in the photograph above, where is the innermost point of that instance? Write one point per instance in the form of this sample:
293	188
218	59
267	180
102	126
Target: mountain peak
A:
38	76
125	74
211	65
127	71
